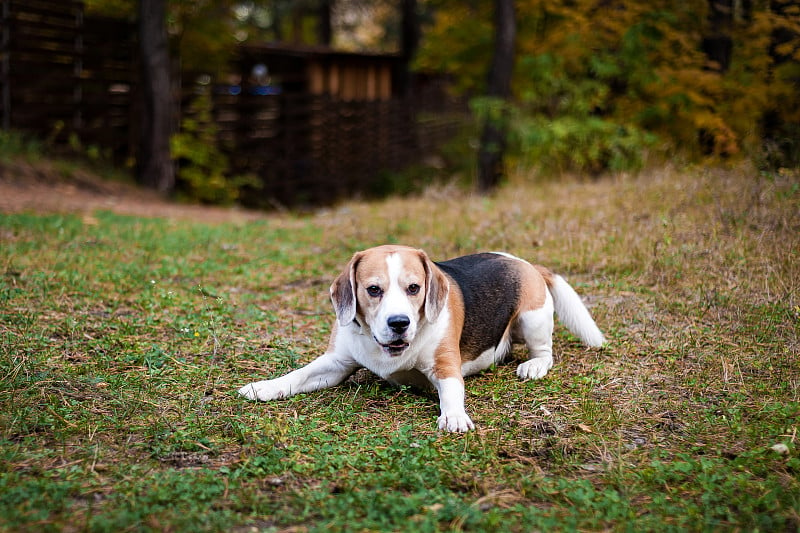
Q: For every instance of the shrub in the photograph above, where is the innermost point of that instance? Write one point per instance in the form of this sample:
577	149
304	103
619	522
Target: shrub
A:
203	170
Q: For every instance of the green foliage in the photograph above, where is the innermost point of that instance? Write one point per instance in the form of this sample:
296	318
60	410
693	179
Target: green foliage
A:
591	145
555	125
460	44
112	8
203	170
203	33
598	86
14	144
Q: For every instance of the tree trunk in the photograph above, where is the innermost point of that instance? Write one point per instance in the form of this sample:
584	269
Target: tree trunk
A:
155	168
324	28
493	138
718	42
409	43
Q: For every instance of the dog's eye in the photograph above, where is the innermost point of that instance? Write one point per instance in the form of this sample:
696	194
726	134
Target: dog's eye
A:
413	289
374	291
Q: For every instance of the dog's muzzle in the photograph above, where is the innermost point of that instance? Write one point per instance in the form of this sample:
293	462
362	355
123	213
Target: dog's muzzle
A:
398	325
396	331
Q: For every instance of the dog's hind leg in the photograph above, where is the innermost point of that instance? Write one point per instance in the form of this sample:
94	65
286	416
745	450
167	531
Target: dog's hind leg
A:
535	327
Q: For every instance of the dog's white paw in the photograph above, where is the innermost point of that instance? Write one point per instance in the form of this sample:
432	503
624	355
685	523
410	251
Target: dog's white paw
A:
263	391
456	422
535	368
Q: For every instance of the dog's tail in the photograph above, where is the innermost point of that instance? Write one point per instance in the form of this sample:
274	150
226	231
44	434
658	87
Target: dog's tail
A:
573	313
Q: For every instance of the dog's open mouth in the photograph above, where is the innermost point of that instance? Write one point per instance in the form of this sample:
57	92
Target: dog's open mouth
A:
396	347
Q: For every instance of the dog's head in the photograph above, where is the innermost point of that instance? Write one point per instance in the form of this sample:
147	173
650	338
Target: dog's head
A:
390	291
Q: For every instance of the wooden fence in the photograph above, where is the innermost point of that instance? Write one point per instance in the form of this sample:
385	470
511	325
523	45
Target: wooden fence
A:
315	149
67	77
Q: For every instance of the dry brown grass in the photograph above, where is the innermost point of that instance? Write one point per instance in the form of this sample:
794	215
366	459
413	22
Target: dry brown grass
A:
694	275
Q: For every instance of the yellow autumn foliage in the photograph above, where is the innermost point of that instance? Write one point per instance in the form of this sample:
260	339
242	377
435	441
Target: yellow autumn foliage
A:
637	72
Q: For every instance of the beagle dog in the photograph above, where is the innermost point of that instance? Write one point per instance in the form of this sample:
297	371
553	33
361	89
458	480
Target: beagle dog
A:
415	322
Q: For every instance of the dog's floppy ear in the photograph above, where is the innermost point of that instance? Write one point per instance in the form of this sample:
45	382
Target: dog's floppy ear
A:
437	288
343	292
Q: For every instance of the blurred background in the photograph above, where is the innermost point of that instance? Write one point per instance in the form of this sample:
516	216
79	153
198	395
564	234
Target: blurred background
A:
271	103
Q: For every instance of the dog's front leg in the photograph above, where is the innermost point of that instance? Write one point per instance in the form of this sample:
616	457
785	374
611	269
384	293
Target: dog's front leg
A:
453	415
328	370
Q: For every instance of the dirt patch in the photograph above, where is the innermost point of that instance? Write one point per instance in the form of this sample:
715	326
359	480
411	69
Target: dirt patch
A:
42	188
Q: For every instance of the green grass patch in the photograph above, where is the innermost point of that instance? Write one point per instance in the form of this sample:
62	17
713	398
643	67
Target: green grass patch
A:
124	339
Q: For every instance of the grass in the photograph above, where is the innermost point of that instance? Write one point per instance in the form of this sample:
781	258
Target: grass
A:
122	341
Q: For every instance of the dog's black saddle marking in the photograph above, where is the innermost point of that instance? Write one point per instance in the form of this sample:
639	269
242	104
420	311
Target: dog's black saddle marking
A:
491	288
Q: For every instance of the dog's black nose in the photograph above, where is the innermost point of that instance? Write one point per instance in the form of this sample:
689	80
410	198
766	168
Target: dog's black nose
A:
398	323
